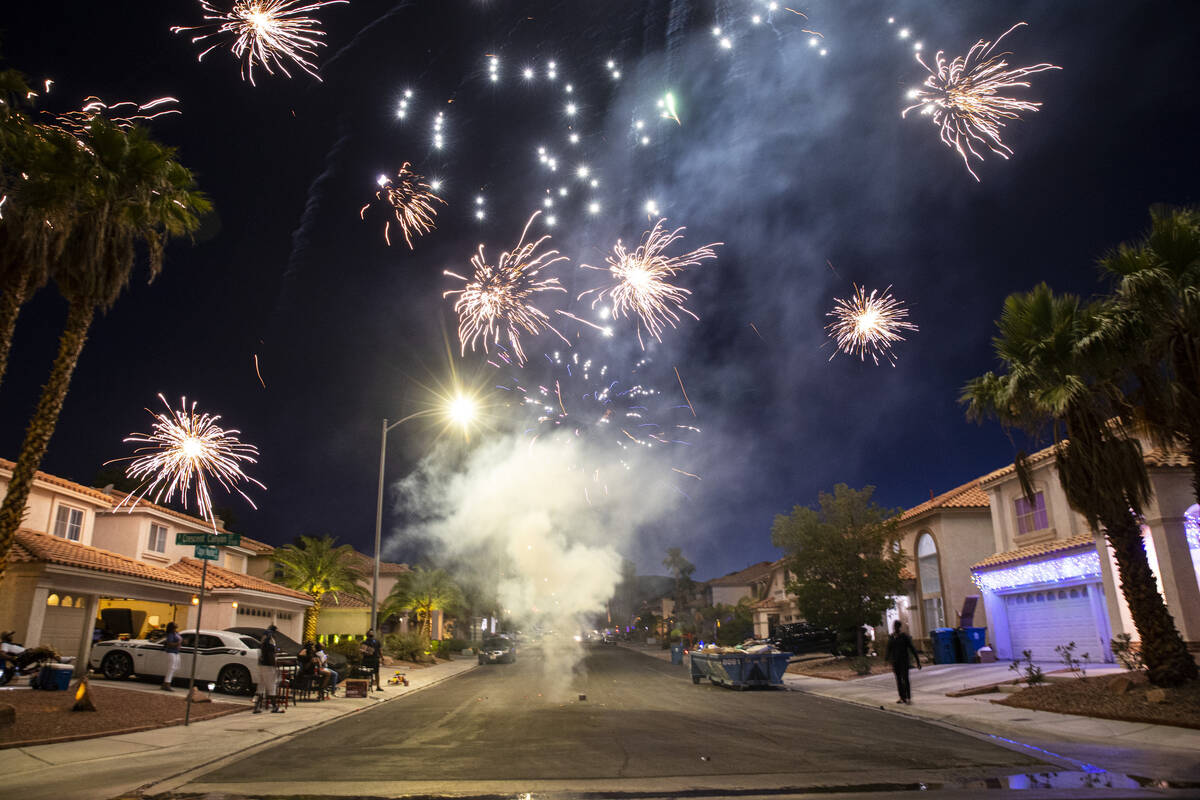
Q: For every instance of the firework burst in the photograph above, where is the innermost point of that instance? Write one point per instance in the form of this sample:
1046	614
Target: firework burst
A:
964	97
185	453
266	33
497	302
868	324
411	200
641	280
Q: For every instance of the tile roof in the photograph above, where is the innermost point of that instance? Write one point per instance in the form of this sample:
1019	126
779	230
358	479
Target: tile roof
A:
133	503
256	547
220	578
32	547
743	577
907	574
1036	551
45	477
1160	457
343	600
366	565
1035	458
969	495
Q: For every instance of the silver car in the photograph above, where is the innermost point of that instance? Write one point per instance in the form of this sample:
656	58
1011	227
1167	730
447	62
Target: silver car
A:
497	649
230	660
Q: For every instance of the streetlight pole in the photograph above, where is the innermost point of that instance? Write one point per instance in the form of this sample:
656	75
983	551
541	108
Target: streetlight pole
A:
461	410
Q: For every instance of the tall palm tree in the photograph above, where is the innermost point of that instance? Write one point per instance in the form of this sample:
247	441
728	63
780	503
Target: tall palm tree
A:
1057	375
1158	308
681	570
128	191
317	567
36	205
423	591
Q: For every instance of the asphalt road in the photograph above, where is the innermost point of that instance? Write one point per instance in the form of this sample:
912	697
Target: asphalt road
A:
643	723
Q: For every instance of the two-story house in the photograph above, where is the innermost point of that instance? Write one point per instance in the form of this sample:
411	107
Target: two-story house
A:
79	565
942	538
1051	580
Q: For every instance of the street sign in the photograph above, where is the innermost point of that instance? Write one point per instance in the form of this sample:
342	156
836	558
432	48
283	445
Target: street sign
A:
207	553
210	539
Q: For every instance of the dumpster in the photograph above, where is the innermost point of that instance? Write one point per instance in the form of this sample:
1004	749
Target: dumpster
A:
943	646
676	654
970	640
739	670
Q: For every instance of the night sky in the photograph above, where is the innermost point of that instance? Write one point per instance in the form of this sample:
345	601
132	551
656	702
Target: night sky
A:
799	163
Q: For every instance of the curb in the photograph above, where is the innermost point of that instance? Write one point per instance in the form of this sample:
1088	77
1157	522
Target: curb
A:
173	782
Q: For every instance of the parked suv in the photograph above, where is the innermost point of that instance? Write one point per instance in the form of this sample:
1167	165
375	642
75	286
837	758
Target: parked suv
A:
799	638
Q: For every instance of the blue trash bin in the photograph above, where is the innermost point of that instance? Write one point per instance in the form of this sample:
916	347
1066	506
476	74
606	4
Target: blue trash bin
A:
676	654
970	640
943	645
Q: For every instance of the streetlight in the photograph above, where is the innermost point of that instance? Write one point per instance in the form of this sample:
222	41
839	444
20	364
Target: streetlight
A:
461	411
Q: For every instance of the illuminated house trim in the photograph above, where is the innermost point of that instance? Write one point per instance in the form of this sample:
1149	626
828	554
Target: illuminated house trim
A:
1083	566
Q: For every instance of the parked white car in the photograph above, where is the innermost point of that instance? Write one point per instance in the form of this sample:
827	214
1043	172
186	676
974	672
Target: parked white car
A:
230	660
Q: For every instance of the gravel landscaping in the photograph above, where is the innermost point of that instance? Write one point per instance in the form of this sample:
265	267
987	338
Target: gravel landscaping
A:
44	717
1127	696
838	669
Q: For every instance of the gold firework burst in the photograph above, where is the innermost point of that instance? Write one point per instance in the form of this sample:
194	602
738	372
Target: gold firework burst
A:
964	97
411	200
184	452
124	115
868	324
642	277
497	301
266	33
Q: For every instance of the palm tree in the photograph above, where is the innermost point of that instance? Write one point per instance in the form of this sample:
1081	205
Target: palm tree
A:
36	206
681	570
1057	374
423	591
127	191
1158	311
317	567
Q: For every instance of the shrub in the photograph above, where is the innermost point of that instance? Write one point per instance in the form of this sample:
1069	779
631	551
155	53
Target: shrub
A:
1030	672
1128	653
349	649
406	646
453	645
861	665
1066	652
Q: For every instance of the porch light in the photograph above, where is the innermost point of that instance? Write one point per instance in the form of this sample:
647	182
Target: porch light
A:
234	604
195	600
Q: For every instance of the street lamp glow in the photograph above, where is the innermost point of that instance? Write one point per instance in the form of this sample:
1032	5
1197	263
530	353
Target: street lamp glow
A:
461	410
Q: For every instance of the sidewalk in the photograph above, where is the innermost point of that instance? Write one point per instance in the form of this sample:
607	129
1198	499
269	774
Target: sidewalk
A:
1164	750
110	765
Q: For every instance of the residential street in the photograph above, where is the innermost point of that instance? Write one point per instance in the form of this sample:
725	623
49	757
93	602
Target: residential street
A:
642	727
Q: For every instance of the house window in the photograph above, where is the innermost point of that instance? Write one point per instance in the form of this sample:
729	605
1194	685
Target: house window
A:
158	538
69	523
930	575
1031	516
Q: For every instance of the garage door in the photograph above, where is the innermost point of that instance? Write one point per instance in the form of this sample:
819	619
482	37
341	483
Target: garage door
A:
1041	621
62	629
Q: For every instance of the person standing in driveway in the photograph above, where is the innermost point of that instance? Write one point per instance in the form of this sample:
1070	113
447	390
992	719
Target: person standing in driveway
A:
171	644
267	678
899	646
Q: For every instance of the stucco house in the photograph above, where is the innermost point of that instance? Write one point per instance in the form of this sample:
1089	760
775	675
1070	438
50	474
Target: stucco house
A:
941	539
80	564
1050	580
776	606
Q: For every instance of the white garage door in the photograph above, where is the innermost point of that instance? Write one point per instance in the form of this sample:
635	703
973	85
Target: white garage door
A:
1042	620
62	629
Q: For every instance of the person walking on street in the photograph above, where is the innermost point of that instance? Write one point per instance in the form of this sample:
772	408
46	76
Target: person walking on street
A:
372	653
267	677
899	645
171	644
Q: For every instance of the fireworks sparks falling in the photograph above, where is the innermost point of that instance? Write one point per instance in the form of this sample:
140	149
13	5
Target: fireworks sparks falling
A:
411	201
184	453
965	101
642	286
497	301
266	33
868	324
125	114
